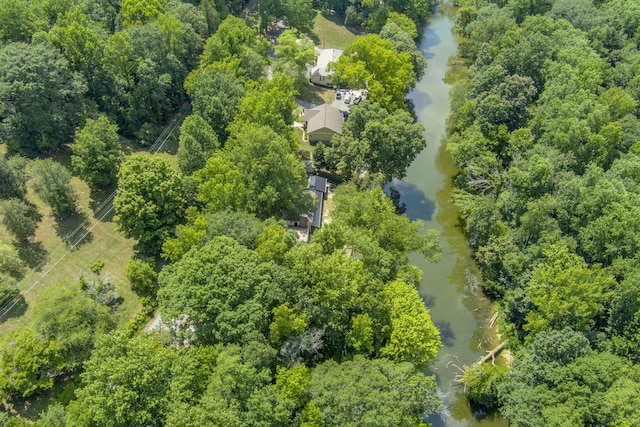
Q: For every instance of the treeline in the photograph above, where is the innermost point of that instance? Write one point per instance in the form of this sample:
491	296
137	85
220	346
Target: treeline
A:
257	329
545	131
263	331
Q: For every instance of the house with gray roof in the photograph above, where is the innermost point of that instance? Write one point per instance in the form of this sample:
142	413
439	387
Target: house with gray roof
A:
322	122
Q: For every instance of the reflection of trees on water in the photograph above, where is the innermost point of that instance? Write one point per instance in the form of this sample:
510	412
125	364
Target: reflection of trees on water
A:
416	204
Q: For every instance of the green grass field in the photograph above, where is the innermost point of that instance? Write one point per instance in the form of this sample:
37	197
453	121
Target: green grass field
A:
316	94
65	264
330	32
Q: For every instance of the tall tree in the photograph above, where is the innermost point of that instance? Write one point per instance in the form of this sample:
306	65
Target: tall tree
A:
373	63
566	292
294	52
12	184
97	152
342	393
20	219
125	383
27	363
16	21
197	143
403	42
375	141
150	200
41	100
62	313
226	297
273	175
215	95
267	103
52	182
414	338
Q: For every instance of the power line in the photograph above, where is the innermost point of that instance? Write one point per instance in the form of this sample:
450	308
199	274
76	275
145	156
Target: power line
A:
81	231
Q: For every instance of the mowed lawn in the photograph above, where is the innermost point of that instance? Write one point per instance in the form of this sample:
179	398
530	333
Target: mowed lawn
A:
66	264
330	32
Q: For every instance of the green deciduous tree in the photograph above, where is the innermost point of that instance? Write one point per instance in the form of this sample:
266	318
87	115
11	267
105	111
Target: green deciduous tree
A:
28	363
294	52
373	63
414	338
141	273
267	103
52	182
343	393
10	262
16	21
12	183
221	185
41	100
274	242
124	383
74	321
20	219
82	40
198	141
137	12
150	200
97	152
376	141
223	288
258	173
403	42
215	94
566	292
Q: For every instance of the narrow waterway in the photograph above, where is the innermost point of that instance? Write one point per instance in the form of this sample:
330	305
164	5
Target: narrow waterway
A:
450	287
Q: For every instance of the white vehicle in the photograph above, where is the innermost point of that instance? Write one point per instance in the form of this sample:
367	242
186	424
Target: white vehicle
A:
347	98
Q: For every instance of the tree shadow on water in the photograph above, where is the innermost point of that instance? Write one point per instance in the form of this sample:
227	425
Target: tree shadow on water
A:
430	38
418	206
446	333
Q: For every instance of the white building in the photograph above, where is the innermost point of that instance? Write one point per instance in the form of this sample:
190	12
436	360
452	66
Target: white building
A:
319	74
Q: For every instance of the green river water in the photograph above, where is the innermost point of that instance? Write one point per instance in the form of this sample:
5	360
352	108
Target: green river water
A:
449	287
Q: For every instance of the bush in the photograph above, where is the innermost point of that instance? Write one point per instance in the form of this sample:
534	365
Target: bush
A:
141	274
481	383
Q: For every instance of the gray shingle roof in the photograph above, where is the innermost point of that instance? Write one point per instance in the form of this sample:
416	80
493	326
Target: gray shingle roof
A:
323	116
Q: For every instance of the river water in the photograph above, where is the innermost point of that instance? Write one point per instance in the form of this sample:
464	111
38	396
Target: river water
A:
449	287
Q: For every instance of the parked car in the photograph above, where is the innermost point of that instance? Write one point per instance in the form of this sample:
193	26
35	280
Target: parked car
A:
347	98
338	94
357	99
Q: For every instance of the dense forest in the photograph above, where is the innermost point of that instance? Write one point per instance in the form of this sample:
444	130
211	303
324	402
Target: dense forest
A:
257	329
546	134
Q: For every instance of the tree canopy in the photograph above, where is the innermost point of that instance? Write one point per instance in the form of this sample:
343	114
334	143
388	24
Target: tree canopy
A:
41	99
150	199
373	63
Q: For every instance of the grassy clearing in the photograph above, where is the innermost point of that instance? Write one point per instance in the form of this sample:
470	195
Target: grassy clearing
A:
330	31
316	94
102	243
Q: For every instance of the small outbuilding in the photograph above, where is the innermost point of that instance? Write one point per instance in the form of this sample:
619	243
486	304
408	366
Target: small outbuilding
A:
319	74
320	187
322	122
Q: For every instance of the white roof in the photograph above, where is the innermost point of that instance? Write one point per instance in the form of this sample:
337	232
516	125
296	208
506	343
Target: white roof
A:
324	57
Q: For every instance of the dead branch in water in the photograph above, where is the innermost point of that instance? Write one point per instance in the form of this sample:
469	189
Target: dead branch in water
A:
492	354
493	320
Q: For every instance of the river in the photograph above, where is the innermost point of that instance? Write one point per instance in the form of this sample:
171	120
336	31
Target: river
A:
449	287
